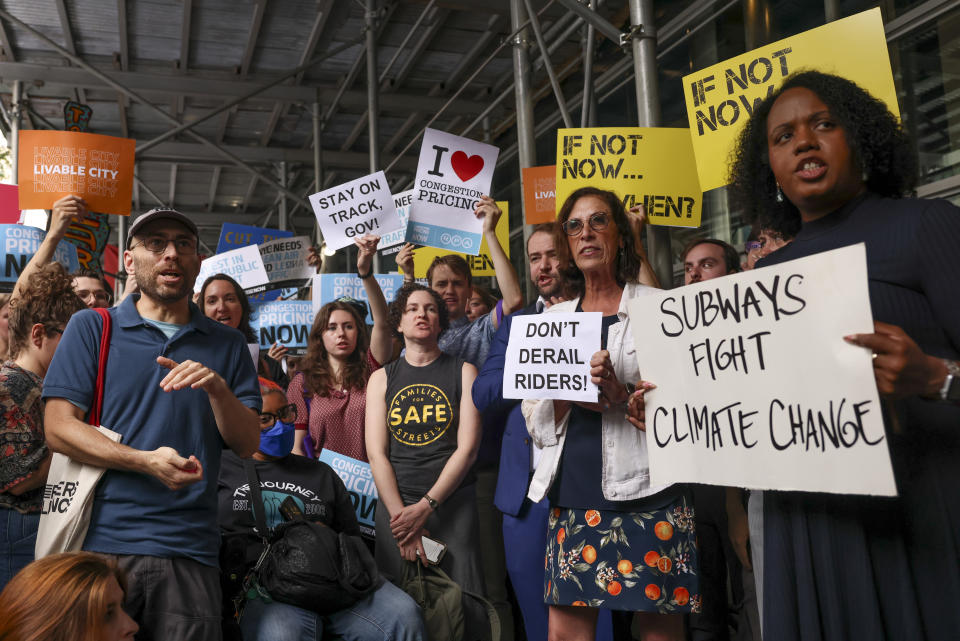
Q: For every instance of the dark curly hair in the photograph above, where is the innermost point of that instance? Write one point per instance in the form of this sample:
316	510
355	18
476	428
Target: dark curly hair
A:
628	260
317	373
47	299
399	304
245	308
880	147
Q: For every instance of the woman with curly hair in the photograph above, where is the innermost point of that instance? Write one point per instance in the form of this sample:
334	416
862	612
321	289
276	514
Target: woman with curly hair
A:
824	157
38	315
423	434
330	388
222	299
77	596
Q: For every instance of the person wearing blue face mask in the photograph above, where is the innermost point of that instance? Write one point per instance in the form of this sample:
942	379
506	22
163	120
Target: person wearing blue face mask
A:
321	496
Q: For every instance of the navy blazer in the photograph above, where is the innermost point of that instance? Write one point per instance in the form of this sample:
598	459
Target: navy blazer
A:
514	475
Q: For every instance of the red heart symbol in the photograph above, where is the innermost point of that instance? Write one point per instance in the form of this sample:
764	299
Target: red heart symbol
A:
466	167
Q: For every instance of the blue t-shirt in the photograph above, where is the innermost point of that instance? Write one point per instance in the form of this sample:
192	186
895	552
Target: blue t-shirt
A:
135	513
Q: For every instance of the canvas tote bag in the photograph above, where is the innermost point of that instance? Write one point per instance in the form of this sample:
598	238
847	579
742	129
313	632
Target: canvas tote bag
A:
68	493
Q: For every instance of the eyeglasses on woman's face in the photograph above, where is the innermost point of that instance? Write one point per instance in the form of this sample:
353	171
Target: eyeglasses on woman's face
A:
598	222
286	414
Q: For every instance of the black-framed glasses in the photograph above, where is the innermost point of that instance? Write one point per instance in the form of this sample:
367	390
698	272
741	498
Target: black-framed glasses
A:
54	330
287	414
598	222
159	244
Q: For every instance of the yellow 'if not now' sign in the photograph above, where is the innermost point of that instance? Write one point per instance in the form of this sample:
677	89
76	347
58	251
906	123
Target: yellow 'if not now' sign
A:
646	166
721	98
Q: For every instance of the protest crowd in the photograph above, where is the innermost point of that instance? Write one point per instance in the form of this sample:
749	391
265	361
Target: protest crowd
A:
163	477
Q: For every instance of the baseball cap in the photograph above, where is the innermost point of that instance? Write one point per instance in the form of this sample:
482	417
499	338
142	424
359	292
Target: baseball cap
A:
159	213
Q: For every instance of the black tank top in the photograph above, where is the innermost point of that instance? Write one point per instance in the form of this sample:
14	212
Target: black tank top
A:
423	414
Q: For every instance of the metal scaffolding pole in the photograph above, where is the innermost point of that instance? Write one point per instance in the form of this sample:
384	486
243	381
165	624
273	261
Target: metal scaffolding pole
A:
554	83
466	83
588	99
373	99
282	171
83	64
644	43
15	128
317	157
526	142
120	281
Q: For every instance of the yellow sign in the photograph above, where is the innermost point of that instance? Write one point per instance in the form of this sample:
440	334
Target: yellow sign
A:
721	98
652	167
481	264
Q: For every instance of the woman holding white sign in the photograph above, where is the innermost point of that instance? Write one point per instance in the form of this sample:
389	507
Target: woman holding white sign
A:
822	152
330	389
615	541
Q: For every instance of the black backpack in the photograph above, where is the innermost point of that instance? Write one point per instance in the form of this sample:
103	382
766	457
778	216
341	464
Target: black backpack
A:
308	564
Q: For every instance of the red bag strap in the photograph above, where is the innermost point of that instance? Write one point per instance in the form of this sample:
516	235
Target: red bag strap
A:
97	407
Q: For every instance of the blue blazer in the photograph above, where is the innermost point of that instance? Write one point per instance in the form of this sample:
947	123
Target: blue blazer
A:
514	475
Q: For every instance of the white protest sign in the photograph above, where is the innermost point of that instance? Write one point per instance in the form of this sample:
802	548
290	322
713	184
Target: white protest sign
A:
254	353
756	387
452	175
402	202
548	356
348	211
330	287
244	265
285	261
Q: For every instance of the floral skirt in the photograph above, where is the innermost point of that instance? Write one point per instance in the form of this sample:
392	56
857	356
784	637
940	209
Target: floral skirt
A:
637	561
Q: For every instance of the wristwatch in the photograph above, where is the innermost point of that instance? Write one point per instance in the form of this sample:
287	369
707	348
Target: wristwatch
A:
950	391
432	502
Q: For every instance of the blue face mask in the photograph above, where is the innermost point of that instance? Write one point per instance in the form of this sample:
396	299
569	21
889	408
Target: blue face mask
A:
278	440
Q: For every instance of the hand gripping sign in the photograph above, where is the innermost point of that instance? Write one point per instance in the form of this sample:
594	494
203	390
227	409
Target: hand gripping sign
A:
548	356
452	175
721	98
354	209
653	167
756	387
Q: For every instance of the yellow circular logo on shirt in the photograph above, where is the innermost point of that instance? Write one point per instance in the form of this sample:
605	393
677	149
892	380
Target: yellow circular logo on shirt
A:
419	414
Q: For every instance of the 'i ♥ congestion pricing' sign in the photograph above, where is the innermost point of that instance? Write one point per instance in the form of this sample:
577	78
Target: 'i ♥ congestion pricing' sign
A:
452	175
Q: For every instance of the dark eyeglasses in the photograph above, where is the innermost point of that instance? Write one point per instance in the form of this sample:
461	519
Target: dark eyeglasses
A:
752	245
54	330
287	414
597	222
158	245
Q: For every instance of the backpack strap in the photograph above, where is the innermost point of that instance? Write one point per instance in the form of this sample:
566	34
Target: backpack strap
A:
308	449
96	408
256	503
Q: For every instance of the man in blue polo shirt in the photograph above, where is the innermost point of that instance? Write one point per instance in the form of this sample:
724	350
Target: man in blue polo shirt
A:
179	388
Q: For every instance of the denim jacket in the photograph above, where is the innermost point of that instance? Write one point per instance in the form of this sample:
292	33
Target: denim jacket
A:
626	468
